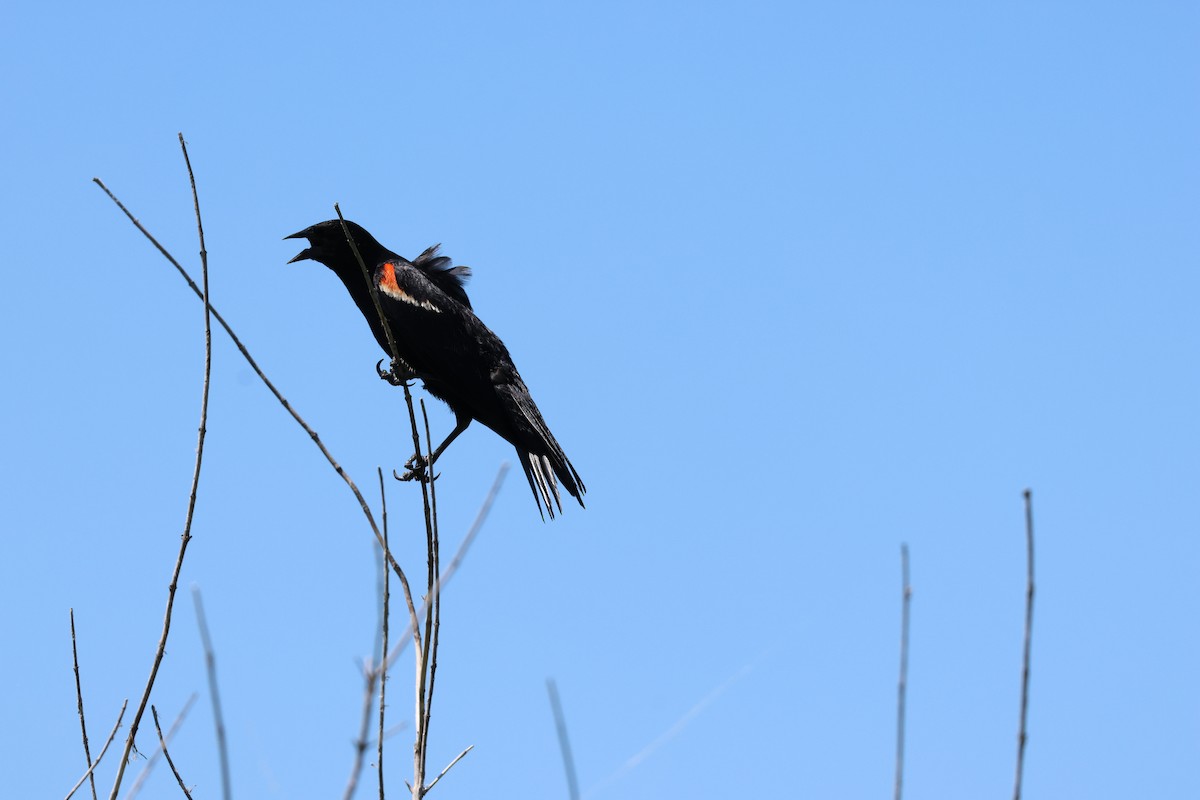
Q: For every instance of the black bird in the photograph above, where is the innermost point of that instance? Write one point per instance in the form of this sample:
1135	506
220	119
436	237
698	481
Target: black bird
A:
441	341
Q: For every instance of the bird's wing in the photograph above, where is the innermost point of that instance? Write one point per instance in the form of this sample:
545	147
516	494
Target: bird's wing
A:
435	333
442	273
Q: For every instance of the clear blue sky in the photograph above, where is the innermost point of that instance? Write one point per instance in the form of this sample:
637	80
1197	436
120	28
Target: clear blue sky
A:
792	284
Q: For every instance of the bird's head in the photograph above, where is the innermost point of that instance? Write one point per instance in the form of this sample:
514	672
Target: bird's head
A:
327	244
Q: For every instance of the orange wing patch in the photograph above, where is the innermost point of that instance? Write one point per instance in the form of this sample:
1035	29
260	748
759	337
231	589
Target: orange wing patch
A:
389	286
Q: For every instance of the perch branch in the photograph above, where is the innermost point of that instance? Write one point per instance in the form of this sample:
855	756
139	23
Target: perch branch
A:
1021	731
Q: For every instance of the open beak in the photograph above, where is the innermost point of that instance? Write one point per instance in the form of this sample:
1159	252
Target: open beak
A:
303	254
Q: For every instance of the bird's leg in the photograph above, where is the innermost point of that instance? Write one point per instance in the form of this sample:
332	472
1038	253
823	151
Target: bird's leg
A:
417	465
399	374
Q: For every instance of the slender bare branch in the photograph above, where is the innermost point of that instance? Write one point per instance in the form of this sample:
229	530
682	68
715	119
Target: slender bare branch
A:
435	636
427	655
103	750
1021	731
461	553
902	688
370	674
366	273
457	759
383	649
153	759
210	667
560	725
312	434
191	507
87	753
166	753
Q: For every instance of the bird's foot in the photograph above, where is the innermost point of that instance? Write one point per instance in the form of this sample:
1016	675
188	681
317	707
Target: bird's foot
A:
415	470
399	375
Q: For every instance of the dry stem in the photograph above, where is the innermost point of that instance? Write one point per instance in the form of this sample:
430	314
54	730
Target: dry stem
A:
166	754
191	507
1021	731
902	688
79	701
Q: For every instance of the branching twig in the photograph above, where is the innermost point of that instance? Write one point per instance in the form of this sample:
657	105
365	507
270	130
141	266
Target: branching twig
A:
455	562
87	753
312	434
1021	735
902	689
210	666
152	760
560	725
103	750
166	754
187	525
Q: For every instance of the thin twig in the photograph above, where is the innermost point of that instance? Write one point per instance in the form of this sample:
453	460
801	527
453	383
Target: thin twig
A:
370	673
210	666
384	642
902	688
191	507
166	754
312	434
428	660
457	758
153	759
560	725
461	553
373	673
414	618
1021	731
366	273
87	753
103	750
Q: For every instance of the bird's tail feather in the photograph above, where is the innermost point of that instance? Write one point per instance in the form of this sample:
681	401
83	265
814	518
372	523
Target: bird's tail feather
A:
540	470
541	456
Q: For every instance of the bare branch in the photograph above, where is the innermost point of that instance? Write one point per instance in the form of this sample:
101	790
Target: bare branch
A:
560	725
427	655
383	649
457	759
103	750
370	673
455	562
187	525
312	434
210	666
366	273
153	759
79	701
1021	731
902	689
163	743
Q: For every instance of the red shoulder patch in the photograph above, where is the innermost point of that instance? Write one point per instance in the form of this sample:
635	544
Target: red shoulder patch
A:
389	286
387	279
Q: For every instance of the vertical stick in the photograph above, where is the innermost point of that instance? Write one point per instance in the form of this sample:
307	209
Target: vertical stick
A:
902	688
210	666
560	725
1021	731
79	700
191	508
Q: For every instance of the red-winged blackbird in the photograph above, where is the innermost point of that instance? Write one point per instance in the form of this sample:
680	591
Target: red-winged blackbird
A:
441	341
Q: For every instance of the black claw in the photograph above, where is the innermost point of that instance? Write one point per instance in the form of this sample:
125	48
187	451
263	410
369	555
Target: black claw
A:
415	467
398	375
415	474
